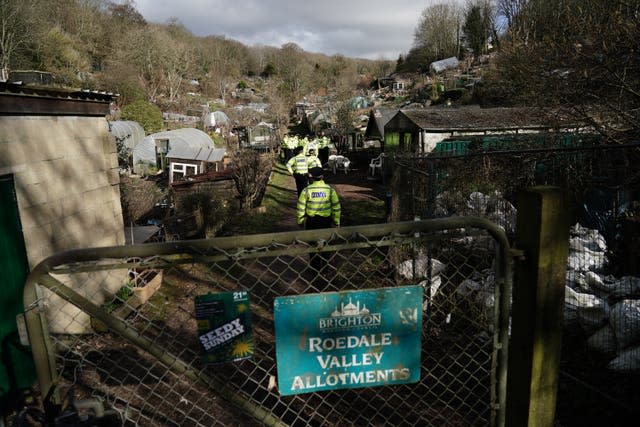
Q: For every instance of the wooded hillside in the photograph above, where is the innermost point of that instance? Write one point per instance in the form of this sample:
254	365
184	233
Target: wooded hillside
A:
580	56
104	45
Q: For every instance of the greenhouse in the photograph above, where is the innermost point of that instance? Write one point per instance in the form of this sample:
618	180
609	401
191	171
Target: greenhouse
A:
128	133
216	119
150	153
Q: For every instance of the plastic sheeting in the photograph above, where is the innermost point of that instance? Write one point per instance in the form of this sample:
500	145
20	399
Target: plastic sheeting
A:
145	151
216	118
129	132
444	64
197	153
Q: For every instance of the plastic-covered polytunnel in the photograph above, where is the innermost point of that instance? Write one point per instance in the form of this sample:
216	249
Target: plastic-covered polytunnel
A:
150	153
127	134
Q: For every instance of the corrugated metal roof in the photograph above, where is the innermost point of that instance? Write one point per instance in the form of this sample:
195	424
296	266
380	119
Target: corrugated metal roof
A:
30	100
194	153
476	119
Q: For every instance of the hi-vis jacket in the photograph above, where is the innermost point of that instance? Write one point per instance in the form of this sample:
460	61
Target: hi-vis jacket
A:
298	164
313	161
318	199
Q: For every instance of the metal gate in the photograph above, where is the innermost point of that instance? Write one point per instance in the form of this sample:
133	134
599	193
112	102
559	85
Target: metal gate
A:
118	324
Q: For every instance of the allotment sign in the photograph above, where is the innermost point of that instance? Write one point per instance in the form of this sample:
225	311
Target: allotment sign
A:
224	326
348	339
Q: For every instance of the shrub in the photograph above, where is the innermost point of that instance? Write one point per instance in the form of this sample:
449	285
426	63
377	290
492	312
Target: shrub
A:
148	115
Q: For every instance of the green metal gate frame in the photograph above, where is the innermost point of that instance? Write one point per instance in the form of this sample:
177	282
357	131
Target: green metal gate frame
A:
164	255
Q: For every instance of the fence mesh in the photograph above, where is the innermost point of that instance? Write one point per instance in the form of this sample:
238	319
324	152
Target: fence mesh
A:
599	368
144	360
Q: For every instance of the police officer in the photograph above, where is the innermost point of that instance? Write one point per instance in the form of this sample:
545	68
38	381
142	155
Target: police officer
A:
318	207
312	160
297	166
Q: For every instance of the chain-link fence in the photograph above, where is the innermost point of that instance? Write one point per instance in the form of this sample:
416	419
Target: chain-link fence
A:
118	324
602	184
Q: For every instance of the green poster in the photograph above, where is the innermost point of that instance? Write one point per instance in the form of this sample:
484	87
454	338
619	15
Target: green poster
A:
224	326
348	339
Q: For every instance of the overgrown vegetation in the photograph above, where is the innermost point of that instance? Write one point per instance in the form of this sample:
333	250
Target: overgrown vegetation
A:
213	210
580	56
277	199
145	113
251	171
139	197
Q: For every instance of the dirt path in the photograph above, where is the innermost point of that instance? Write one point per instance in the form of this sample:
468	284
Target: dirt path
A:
362	199
282	181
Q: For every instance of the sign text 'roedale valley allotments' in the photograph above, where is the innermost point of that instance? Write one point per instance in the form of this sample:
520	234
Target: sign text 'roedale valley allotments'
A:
348	339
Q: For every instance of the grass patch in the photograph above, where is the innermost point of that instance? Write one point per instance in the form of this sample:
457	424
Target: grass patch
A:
362	212
273	209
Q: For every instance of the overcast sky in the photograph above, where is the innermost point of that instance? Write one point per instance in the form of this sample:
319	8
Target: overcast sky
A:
371	29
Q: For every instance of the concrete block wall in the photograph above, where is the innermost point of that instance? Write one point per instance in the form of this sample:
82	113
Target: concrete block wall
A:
65	172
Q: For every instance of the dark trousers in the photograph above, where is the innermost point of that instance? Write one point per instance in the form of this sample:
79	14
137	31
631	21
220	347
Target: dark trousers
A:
302	180
323	155
319	261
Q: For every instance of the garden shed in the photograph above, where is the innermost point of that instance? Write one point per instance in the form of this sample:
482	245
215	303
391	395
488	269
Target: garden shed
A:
215	120
378	118
150	154
261	136
59	191
420	130
315	122
187	161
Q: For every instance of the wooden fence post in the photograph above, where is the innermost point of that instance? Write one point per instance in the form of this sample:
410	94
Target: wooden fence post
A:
537	309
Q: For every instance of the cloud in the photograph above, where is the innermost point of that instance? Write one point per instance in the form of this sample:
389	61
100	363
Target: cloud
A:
371	29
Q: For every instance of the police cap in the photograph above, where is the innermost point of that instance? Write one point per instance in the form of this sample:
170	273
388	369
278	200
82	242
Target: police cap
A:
316	172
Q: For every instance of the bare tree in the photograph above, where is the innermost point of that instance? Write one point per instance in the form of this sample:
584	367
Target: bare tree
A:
251	172
345	117
579	56
510	9
144	50
15	31
293	70
221	63
278	110
176	65
437	34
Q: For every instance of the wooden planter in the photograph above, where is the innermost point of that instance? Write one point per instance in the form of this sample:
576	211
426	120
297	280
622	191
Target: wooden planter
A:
146	284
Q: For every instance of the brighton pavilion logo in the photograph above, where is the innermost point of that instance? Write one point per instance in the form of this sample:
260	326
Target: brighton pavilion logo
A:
349	316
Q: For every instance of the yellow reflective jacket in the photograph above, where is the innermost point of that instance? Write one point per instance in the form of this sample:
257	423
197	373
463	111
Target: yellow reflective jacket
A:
320	199
298	164
313	162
